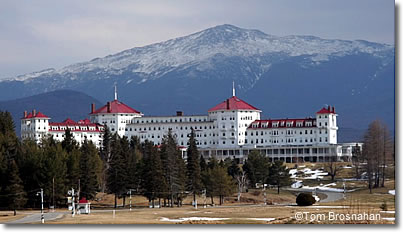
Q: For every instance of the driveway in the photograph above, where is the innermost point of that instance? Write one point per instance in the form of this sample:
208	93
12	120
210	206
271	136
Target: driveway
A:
36	217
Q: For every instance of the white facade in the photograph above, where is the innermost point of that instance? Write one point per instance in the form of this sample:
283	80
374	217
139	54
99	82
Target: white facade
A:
36	126
231	129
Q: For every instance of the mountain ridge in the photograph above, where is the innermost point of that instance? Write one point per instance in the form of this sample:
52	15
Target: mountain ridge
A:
289	76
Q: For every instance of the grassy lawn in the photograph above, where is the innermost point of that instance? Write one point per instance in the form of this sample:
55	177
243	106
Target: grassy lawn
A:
6	216
250	210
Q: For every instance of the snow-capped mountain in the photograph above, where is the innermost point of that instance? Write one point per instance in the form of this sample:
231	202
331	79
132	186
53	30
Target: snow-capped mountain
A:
153	61
195	71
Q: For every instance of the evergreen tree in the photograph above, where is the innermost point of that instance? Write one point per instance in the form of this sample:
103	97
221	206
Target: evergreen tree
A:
193	167
203	164
279	175
154	182
117	172
105	155
218	183
257	167
133	157
222	183
233	168
16	196
73	168
212	163
8	138
89	165
30	163
68	143
174	167
8	150
53	172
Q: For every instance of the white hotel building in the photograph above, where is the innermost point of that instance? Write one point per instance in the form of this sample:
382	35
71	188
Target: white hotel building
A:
233	128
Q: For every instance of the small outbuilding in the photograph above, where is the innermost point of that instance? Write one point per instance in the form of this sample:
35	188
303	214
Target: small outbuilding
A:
84	206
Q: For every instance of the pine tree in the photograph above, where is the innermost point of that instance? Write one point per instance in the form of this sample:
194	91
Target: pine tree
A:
30	163
222	182
8	139
135	164
233	168
89	165
203	164
193	167
73	168
68	143
257	167
154	183
218	183
117	172
105	155
174	166
279	175
16	196
53	172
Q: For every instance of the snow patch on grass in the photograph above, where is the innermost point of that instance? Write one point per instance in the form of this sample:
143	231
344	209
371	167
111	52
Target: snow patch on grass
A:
164	219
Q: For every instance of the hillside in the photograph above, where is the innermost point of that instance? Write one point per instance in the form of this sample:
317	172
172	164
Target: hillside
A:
58	105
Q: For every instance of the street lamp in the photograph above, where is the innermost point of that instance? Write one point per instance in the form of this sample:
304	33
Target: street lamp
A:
42	216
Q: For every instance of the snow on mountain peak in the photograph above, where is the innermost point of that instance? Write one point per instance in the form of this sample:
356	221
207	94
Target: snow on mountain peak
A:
159	58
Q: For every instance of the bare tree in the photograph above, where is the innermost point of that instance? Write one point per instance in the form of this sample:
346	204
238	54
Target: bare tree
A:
242	182
356	160
375	151
332	167
386	151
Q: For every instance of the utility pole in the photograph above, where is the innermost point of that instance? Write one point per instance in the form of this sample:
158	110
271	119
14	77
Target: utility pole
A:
204	196
130	200
264	194
73	212
79	189
53	193
42	216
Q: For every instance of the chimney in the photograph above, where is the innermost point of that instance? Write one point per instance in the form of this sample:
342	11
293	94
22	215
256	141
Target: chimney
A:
34	113
179	113
108	107
334	110
25	114
92	108
227	104
328	108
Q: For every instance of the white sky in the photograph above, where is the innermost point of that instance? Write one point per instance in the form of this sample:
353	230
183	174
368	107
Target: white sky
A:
40	34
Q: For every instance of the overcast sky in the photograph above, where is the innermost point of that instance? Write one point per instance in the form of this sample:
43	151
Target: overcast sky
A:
40	34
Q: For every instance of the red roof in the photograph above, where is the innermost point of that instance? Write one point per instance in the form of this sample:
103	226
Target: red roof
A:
116	107
283	123
81	123
37	115
69	121
329	110
83	200
233	103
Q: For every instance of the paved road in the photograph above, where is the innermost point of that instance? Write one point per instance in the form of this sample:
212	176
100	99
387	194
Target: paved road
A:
37	218
331	196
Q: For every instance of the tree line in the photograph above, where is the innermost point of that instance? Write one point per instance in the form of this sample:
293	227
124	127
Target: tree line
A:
159	173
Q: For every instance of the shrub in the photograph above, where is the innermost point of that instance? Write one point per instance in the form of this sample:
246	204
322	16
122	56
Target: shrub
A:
305	199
